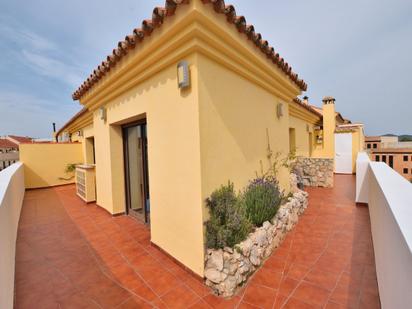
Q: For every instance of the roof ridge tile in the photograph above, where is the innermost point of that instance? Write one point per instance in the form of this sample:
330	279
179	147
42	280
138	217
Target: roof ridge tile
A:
158	16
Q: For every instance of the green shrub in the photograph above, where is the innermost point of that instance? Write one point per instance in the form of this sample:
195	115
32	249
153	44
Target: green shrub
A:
261	199
228	224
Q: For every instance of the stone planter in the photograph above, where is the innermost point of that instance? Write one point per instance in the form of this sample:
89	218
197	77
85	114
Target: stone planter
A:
315	172
227	269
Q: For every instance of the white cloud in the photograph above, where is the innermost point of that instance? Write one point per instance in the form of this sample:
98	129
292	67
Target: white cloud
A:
28	114
47	66
41	54
26	38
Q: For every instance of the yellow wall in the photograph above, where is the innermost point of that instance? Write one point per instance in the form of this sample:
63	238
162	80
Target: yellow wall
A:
45	164
173	159
302	136
234	117
327	148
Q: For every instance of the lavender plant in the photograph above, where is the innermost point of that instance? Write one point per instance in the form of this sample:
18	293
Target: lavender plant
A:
261	199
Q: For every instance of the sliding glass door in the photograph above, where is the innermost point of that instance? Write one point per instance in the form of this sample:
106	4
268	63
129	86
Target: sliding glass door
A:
137	187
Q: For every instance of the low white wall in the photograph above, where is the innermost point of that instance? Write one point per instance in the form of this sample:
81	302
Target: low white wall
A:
362	185
390	209
11	200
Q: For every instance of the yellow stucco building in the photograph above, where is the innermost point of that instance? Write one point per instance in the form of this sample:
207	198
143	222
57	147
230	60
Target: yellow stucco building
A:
185	103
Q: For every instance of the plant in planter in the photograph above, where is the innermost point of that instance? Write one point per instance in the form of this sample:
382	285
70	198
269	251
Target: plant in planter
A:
69	170
261	199
228	224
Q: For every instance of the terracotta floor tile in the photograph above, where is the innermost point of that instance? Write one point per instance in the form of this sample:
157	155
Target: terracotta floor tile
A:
78	301
293	303
197	286
332	305
268	278
163	283
323	279
59	234
180	297
245	305
144	291
259	296
280	301
369	301
275	264
220	302
311	294
287	286
107	294
201	304
134	303
346	295
297	271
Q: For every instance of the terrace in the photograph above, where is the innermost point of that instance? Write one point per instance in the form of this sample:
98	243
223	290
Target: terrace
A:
73	255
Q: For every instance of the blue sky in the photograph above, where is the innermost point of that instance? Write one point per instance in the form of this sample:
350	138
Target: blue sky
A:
358	51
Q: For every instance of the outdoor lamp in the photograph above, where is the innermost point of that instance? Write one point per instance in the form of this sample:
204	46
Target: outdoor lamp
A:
102	113
183	77
279	110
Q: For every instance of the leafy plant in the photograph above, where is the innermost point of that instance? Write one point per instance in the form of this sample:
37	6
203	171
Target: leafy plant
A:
228	224
70	168
261	199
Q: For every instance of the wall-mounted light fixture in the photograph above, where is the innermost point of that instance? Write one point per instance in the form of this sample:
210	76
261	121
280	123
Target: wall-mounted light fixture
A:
102	113
279	110
183	74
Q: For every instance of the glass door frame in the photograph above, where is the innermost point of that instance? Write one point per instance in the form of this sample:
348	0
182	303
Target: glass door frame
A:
146	213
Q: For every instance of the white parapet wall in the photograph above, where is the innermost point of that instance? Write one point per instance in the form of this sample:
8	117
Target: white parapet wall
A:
11	200
362	185
389	197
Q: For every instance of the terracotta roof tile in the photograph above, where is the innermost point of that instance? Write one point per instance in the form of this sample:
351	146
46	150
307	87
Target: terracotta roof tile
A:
5	143
21	139
310	108
158	16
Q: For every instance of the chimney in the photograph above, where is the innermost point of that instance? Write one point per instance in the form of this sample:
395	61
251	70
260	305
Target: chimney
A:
54	127
329	126
306	100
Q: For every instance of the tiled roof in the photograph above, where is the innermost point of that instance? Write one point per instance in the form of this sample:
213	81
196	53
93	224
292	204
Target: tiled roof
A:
21	139
308	107
158	17
336	113
5	143
71	120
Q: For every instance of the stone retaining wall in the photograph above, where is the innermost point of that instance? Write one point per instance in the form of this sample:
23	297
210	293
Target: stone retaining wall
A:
227	269
315	172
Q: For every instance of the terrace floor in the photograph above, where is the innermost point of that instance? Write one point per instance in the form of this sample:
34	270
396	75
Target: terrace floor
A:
72	255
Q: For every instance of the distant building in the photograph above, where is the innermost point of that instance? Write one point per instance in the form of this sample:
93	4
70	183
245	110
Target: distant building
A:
388	149
19	139
9	149
9	153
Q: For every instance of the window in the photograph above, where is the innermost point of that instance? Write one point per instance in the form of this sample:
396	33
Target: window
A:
384	159
391	161
369	146
375	146
405	171
377	158
405	158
